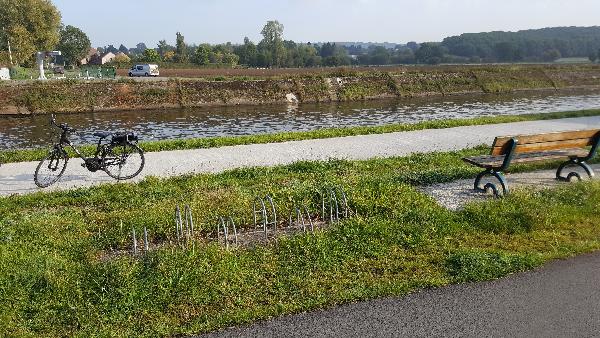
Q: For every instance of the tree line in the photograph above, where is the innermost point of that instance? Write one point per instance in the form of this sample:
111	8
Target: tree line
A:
547	44
542	45
35	25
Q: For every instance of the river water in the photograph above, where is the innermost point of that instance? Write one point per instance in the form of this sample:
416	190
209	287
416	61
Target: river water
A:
34	131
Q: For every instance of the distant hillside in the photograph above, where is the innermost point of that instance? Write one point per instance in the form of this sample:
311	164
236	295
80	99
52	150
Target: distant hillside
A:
545	44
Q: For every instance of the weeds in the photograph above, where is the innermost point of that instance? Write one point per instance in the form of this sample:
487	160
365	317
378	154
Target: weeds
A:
52	282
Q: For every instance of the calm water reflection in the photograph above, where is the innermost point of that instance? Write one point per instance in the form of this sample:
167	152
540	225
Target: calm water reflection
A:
33	131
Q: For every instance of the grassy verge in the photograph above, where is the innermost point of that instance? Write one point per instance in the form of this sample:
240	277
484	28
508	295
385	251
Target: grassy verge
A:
214	142
55	279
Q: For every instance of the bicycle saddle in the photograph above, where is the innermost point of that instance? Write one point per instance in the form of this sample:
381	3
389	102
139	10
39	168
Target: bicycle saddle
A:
102	135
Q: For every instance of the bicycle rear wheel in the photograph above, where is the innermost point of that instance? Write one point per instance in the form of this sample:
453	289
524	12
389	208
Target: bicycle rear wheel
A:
124	161
51	168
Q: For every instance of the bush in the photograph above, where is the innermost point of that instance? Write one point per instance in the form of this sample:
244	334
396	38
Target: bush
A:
20	73
476	265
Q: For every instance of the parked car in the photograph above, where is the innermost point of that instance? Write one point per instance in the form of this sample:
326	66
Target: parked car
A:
144	70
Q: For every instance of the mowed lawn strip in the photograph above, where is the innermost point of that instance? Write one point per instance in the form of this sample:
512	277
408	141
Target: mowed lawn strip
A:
65	270
25	155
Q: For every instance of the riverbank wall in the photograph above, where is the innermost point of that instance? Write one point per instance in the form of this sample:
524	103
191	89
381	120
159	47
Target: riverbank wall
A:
65	96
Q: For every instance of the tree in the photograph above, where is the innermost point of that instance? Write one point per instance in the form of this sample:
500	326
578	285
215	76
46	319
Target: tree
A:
202	54
273	42
123	49
141	47
74	44
230	59
111	49
430	53
379	55
247	53
164	47
551	55
122	58
151	55
30	26
506	51
413	46
168	56
181	53
593	56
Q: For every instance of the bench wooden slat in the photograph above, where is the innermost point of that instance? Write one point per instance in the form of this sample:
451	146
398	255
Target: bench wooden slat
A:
554	145
495	161
501	144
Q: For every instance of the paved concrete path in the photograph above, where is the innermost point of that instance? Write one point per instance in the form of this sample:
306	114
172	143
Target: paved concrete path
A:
561	299
17	178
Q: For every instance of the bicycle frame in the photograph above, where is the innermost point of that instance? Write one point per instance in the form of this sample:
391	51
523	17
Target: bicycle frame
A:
64	141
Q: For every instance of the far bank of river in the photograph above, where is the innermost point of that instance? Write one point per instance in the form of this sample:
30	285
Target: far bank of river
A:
339	85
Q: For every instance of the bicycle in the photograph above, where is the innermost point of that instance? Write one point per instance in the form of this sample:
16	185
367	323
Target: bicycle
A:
121	158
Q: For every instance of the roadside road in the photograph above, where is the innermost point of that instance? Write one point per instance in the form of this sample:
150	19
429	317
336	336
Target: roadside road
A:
17	178
561	299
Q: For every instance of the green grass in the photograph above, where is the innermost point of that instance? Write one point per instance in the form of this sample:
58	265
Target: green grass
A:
9	156
56	281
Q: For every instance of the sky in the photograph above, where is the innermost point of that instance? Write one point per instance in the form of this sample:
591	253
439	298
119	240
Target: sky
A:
397	21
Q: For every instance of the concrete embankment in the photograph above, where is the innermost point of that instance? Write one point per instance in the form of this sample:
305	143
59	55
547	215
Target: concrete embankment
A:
339	85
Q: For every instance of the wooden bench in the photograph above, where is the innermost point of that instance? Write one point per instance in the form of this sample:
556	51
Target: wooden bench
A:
571	146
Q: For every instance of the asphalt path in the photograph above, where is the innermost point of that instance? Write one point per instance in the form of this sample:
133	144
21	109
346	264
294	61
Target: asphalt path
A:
561	299
17	178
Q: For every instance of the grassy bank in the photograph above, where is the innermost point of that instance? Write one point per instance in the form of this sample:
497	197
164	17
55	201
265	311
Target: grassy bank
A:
344	84
214	142
56	278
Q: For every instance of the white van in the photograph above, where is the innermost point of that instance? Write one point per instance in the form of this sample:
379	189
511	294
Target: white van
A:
144	70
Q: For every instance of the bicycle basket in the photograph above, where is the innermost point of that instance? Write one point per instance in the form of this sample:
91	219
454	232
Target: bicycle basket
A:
124	138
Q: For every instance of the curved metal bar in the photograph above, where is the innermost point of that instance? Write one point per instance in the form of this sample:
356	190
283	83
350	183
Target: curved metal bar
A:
496	174
573	162
333	193
299	218
146	243
345	203
478	179
189	221
225	232
135	249
310	222
235	234
273	209
594	149
178	223
323	214
263	212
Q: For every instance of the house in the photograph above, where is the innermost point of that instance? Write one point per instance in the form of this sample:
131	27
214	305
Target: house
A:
88	57
99	60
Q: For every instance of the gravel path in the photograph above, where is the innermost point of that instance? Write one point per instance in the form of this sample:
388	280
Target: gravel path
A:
454	195
17	178
561	299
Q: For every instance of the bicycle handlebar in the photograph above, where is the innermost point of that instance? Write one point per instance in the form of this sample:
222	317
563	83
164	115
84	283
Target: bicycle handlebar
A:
65	127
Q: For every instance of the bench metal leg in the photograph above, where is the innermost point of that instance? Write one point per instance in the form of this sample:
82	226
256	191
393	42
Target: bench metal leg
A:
491	186
573	163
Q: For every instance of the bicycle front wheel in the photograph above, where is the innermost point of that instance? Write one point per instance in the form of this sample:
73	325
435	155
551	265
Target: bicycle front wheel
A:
51	168
124	161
